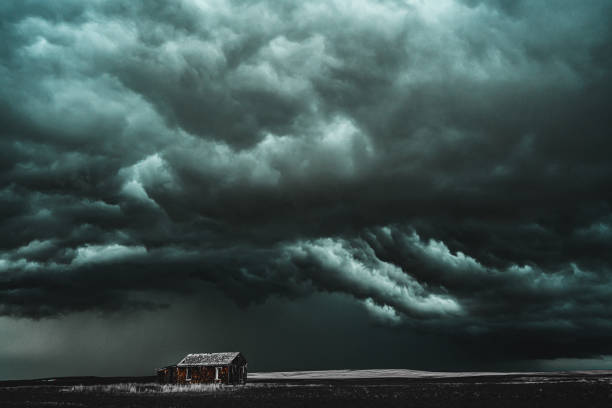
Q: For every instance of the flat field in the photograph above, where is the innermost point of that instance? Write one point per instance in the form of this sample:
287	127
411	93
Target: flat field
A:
363	388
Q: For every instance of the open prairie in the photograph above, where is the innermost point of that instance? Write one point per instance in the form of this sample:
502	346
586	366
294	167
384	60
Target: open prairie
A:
364	388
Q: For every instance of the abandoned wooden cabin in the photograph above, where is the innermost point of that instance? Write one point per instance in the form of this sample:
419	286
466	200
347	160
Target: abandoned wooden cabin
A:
226	368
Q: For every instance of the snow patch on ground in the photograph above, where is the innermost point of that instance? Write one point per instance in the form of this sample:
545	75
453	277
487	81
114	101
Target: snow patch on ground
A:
401	373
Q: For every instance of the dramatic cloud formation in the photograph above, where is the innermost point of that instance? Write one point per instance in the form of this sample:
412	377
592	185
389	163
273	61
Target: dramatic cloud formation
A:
444	165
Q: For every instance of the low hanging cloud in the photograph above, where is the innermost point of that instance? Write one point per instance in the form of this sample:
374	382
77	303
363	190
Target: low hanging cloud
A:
338	265
443	164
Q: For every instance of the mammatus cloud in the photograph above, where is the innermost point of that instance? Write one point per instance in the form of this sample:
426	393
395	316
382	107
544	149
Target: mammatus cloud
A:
443	164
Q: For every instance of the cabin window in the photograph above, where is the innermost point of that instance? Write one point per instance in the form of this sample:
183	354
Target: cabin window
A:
216	373
188	374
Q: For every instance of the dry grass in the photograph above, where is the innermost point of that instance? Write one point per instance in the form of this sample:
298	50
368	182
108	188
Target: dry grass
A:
150	388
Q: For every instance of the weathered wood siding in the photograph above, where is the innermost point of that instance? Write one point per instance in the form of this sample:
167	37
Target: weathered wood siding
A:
201	374
232	374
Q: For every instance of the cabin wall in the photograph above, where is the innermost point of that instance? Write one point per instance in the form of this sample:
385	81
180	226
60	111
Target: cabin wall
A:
237	374
201	374
233	374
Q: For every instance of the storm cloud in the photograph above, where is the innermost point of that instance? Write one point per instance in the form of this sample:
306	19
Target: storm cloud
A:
444	166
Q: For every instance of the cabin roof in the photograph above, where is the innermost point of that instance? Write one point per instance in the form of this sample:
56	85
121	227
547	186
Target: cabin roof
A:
208	359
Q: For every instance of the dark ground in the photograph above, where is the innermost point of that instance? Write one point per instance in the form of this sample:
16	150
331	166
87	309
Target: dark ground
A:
573	390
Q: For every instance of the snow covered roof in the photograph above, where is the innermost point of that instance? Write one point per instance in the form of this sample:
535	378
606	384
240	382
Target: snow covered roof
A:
208	359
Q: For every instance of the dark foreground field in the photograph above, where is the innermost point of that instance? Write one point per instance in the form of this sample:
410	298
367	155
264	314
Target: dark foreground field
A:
487	390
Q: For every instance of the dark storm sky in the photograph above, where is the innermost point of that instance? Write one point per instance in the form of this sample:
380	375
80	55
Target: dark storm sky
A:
319	184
